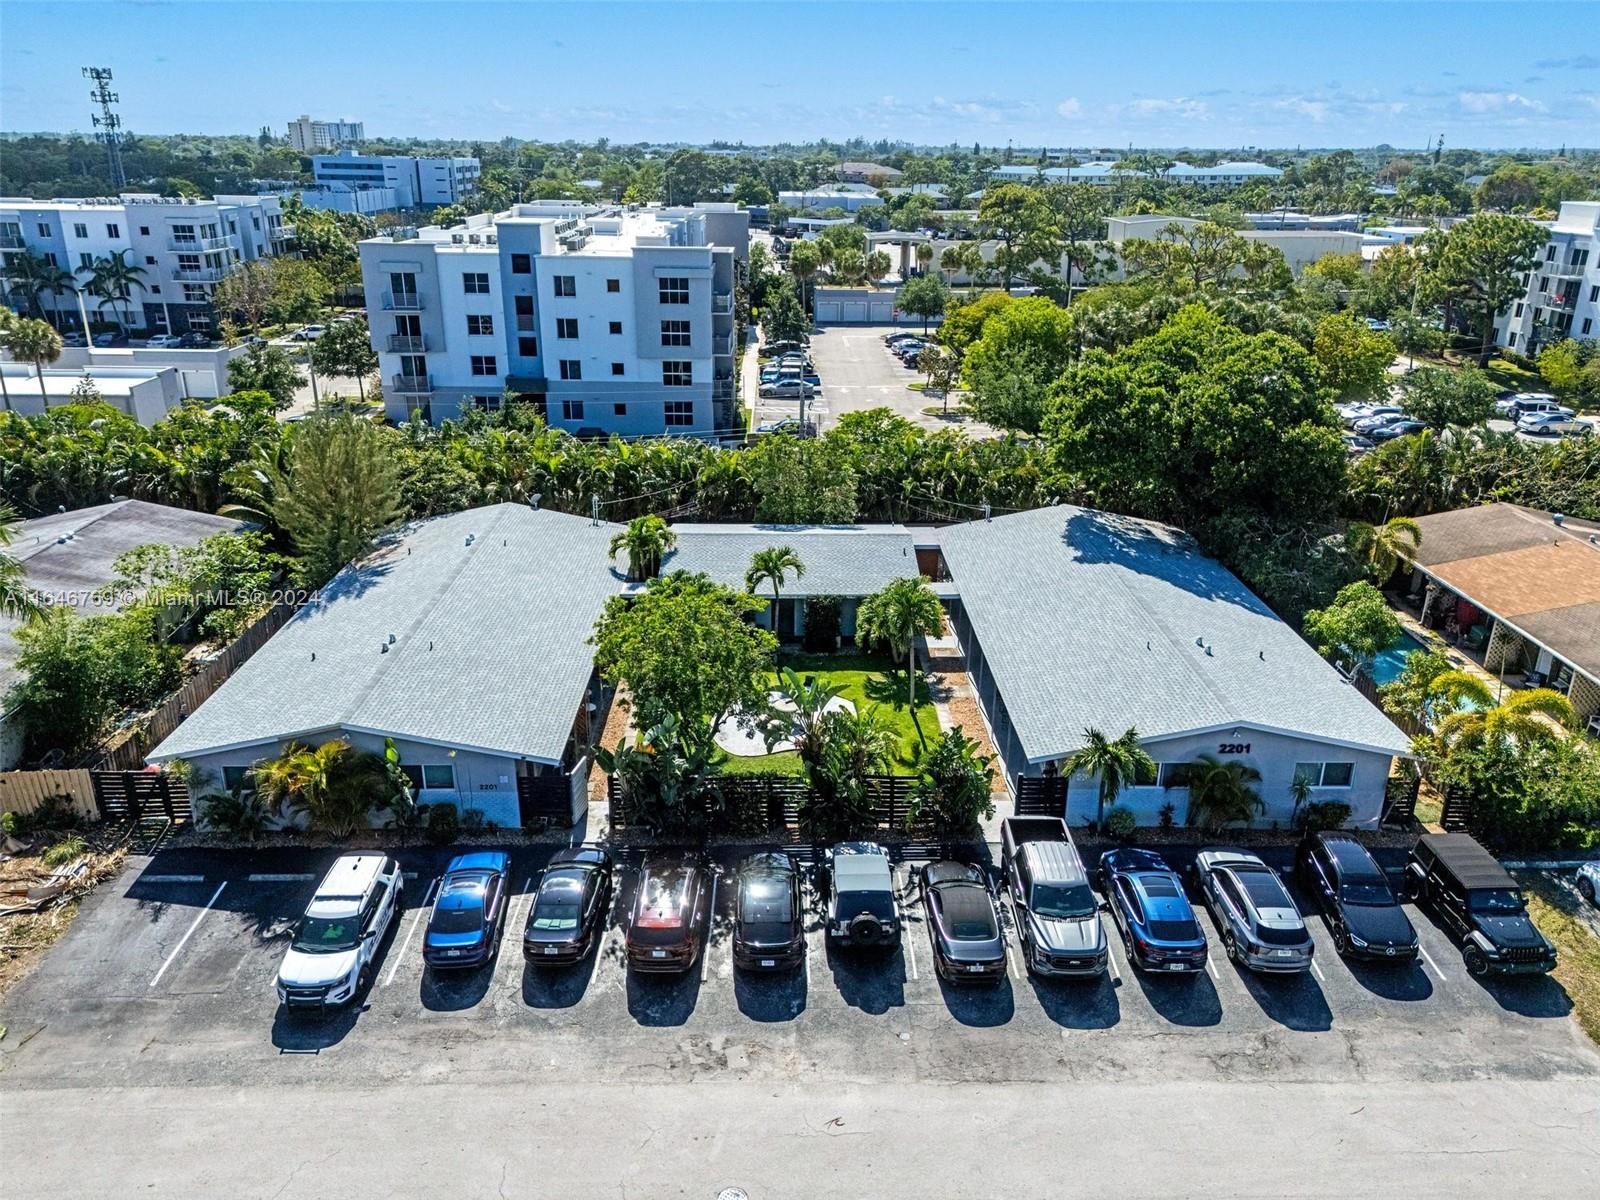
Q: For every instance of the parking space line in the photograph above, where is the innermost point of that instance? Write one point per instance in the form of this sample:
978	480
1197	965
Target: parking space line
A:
184	940
394	962
905	937
1111	960
1318	971
171	879
711	925
1442	976
1212	966
283	878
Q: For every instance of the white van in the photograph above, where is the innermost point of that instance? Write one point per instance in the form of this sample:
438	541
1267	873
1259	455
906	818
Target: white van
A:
331	960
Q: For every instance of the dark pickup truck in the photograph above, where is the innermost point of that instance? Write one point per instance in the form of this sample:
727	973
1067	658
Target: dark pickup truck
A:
1058	919
1479	904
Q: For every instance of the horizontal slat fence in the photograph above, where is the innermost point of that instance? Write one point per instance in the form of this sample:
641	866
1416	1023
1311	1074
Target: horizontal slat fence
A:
769	806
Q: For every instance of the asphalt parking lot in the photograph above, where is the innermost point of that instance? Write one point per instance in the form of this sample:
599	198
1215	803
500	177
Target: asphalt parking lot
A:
169	976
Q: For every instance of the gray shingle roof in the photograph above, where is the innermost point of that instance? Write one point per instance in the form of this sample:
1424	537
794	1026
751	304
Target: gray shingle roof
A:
490	647
1090	620
840	560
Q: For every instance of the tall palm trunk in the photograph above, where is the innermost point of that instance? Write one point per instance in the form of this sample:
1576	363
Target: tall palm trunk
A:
44	397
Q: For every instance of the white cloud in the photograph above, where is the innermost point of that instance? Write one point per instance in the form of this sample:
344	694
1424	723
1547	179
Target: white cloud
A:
1178	105
1070	108
1315	110
1485	102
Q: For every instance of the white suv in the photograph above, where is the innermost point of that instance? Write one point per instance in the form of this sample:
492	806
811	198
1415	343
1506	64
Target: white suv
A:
331	958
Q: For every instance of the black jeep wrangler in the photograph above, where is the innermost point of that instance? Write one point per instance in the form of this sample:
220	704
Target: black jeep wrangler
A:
1479	903
861	904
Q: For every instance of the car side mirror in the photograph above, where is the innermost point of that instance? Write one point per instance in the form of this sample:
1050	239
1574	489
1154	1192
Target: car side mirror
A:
369	934
1105	906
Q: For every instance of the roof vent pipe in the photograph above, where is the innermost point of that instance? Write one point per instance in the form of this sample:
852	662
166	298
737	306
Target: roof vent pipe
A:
1208	651
383	647
391	639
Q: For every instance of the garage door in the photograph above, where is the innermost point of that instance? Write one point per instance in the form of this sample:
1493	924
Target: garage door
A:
853	311
827	312
881	311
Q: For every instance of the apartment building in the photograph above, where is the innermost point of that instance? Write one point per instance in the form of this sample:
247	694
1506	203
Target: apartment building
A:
308	136
1108	174
609	321
183	246
851	197
1563	290
416	182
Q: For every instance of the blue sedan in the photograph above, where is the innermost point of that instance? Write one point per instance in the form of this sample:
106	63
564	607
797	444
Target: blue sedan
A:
469	915
1151	912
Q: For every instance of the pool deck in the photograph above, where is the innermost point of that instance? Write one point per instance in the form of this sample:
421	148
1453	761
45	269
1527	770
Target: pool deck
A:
1459	658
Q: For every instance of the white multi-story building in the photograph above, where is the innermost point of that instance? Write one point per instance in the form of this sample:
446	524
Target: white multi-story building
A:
416	182
308	136
1107	174
852	197
182	247
1563	295
608	321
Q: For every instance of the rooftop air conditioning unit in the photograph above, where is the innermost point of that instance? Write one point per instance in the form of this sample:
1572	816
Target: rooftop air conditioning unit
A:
474	239
491	238
457	238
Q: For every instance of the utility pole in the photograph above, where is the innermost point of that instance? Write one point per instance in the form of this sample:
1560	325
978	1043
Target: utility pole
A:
108	125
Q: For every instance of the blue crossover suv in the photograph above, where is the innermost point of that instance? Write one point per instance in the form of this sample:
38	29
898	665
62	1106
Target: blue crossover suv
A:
1151	912
464	930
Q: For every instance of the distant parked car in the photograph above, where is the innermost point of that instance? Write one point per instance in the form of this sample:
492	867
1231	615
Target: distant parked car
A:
900	335
1151	912
861	910
309	333
1356	445
1554	424
963	923
1356	900
468	915
1378	418
569	906
1261	928
163	341
74	339
776	348
194	340
1377	326
1588	881
1516	404
786	425
107	339
1404	427
768	933
788	389
667	930
331	958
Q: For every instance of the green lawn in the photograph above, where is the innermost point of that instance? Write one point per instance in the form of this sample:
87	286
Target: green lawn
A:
867	683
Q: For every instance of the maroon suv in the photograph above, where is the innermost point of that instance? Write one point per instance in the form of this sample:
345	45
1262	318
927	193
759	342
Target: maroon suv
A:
667	929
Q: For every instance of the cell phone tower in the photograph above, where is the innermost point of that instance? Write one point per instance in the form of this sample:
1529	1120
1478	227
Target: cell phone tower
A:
107	124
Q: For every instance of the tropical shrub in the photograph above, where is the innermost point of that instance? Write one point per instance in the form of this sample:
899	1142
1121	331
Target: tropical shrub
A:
443	823
1120	823
667	782
238	816
853	746
64	851
1320	815
334	787
954	789
1221	793
822	629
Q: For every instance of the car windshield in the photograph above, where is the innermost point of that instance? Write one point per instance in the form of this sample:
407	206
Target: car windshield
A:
555	915
1501	901
1063	903
1366	892
323	935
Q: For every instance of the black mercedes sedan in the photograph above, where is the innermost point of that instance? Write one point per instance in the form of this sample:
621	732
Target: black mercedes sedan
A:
768	934
569	908
963	923
1363	915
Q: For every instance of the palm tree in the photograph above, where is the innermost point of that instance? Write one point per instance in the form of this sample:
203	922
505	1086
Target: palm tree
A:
811	698
924	254
1472	716
1117	764
26	274
36	342
17	599
8	322
898	615
1220	793
334	785
646	539
114	278
1383	546
47	279
773	565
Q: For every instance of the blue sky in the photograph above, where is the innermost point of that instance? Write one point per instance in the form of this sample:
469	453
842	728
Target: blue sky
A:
1089	74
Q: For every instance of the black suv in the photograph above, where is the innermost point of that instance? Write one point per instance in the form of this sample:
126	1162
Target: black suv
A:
1354	896
1476	899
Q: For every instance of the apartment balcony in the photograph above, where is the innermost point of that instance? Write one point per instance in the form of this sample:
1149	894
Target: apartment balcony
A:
526	323
1561	300
722	390
282	232
201	245
400	343
200	275
412	385
402	301
722	345
721	302
12	241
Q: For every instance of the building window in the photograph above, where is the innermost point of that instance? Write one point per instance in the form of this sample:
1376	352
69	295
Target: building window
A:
616	368
674	290
616	327
619	409
486	403
1594	294
674	333
1517	312
50	259
680	412
1512	341
480	326
235	779
572	410
85	261
1175	774
571	368
1325	774
475	283
113	231
528	347
677	374
566	285
1588	324
483	364
144	231
613	285
522	264
80	230
439	775
1550	252
44	230
567	327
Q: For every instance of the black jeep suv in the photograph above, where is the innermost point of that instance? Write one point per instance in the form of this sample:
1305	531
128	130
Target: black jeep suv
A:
1479	903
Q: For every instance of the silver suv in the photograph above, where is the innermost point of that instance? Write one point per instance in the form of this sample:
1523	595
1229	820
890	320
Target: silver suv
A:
1260	926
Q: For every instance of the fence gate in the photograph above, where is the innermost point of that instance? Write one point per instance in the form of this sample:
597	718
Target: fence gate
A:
1041	796
140	795
1456	812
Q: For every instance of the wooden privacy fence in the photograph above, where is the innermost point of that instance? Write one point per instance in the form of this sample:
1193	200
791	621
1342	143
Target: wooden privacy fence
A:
24	792
769	805
1041	795
127	750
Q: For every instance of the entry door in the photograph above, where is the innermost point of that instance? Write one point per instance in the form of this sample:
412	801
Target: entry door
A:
788	620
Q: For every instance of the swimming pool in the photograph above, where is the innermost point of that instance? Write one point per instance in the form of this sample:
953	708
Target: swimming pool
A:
1388	664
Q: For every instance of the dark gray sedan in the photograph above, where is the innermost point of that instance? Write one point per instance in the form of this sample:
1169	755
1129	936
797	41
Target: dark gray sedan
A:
963	923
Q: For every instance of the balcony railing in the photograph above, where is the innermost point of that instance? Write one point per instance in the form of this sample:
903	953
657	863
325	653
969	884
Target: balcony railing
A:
412	385
282	231
12	241
199	245
722	302
525	323
202	275
1564	300
402	301
401	343
722	345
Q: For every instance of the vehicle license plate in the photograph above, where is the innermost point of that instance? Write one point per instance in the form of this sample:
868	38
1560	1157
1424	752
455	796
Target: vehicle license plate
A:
975	967
769	962
452	954
1174	966
552	949
658	954
1284	954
